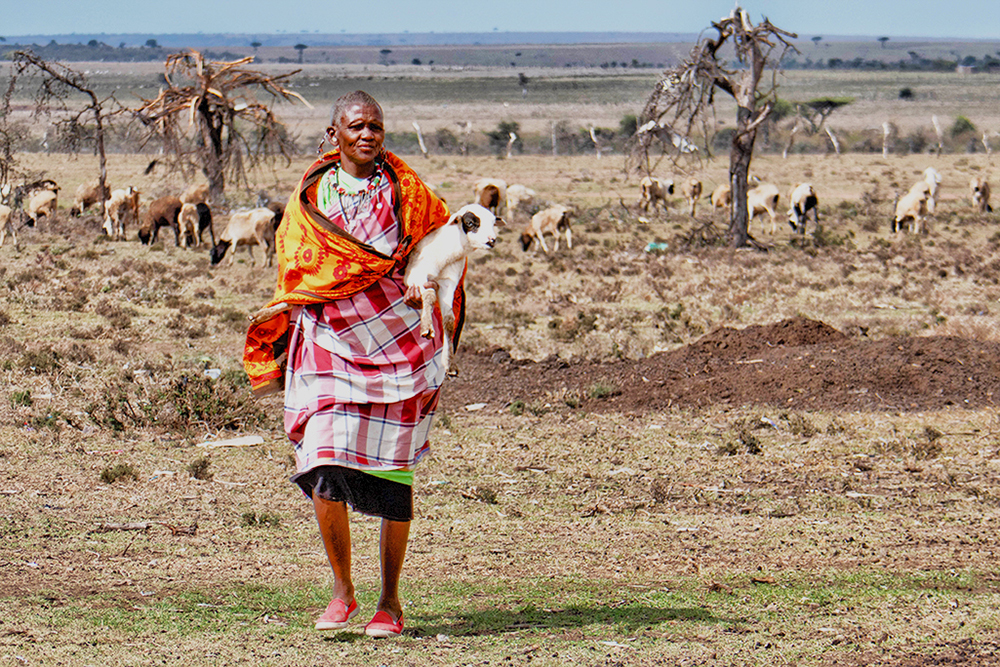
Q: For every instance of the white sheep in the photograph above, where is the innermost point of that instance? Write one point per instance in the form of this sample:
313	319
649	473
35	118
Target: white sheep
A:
87	194
122	206
441	257
691	189
911	207
801	200
519	198
247	229
933	180
763	198
7	225
552	220
42	203
722	196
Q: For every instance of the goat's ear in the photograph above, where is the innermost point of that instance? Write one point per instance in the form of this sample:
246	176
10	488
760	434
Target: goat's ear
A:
500	222
470	222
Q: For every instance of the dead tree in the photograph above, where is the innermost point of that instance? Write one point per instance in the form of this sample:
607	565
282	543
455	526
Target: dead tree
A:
233	132
57	83
684	98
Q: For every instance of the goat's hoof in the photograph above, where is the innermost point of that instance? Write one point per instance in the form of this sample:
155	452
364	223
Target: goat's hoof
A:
452	371
429	333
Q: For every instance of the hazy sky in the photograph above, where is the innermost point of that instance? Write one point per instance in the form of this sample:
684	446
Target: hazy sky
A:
921	18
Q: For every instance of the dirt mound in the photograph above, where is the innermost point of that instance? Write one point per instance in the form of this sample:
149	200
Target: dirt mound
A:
797	363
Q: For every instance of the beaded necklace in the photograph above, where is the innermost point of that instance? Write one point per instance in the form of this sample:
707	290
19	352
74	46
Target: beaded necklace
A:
361	199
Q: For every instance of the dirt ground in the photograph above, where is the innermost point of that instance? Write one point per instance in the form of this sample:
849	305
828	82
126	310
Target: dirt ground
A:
796	363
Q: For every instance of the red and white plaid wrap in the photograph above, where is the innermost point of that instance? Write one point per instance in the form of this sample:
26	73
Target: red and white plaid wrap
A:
362	383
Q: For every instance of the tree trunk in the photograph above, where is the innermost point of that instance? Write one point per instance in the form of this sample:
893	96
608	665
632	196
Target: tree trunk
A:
99	147
739	170
213	160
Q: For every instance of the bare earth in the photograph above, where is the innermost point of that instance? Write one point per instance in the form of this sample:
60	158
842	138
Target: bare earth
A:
797	363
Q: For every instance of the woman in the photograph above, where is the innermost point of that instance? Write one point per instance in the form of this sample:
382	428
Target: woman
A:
361	384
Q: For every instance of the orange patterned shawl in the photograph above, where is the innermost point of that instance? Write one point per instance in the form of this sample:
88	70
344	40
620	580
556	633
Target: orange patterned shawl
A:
320	262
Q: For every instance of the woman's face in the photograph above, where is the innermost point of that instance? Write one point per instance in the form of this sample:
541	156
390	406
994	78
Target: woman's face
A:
359	133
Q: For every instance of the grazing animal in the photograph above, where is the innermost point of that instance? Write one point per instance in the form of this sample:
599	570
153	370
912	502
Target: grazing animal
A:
491	193
980	194
42	203
933	179
195	194
205	222
911	207
763	198
187	220
161	212
519	199
6	225
247	229
122	206
692	192
722	196
654	191
441	257
552	220
801	200
87	194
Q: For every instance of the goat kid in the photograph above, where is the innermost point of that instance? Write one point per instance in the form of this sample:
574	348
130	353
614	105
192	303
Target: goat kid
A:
441	257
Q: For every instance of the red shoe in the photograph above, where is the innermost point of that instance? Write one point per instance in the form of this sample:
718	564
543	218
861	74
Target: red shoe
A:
337	615
382	625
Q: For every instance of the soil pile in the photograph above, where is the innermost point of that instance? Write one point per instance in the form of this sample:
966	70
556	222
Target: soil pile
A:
797	363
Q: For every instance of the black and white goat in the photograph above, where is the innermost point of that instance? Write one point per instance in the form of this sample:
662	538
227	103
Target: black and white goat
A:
440	257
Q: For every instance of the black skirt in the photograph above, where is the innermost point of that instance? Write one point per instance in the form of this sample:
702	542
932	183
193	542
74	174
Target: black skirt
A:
365	493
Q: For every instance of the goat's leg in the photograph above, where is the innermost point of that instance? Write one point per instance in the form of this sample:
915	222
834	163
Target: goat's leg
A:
569	238
428	297
541	241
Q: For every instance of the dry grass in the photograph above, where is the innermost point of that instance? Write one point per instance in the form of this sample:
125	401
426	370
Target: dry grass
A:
714	537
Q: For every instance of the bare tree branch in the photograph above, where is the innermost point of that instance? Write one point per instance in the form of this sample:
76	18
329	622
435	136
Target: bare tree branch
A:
684	99
209	116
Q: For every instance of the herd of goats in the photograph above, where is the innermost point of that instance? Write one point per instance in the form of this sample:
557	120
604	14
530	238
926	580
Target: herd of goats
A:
910	210
190	214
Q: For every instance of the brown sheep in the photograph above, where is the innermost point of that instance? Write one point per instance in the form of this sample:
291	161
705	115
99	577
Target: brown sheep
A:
162	212
491	193
980	188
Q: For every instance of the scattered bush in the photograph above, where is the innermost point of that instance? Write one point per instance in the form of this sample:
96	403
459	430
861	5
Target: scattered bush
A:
21	398
262	519
119	471
199	468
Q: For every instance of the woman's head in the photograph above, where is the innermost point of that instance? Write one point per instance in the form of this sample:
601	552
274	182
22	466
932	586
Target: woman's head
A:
358	129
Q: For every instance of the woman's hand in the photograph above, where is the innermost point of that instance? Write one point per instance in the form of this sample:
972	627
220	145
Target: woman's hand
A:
412	296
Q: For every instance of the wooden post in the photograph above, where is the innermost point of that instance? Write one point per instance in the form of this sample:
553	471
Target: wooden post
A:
940	134
885	139
833	140
593	137
420	139
510	144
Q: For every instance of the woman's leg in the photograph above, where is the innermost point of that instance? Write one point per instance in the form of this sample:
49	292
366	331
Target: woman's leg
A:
335	529
392	551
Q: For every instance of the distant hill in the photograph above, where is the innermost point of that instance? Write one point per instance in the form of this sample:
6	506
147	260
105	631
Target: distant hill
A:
222	40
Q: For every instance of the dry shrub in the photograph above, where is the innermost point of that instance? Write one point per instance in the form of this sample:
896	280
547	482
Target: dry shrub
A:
119	471
42	361
117	316
199	468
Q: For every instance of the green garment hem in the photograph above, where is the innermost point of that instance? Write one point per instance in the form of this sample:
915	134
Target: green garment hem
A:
398	476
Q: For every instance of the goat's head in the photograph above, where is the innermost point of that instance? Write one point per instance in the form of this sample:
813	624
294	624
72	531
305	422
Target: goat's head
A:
478	224
219	251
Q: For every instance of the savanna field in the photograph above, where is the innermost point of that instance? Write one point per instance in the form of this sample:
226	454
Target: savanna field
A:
658	451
